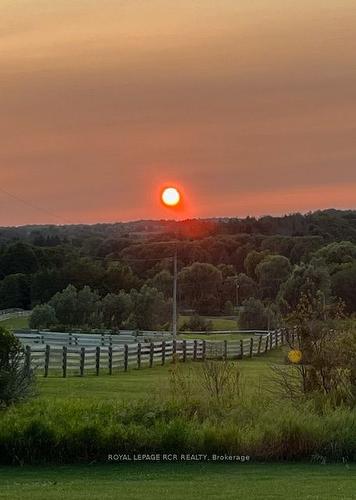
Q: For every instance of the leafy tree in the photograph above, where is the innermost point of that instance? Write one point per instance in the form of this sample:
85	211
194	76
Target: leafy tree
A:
307	280
65	304
343	284
18	258
87	307
272	271
150	310
43	316
247	287
251	262
116	309
200	284
335	256
253	315
163	281
119	276
15	291
16	381
45	284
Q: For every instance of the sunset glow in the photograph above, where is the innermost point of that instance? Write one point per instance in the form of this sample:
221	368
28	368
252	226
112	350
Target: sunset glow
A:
249	106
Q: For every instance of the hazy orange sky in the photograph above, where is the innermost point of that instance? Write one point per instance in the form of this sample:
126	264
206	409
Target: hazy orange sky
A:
249	105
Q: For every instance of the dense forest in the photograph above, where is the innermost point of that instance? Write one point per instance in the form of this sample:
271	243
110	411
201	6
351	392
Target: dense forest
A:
264	264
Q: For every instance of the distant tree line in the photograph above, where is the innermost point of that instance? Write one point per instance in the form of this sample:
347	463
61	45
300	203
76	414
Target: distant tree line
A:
265	264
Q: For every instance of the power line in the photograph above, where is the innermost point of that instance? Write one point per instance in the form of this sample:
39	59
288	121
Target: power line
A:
35	207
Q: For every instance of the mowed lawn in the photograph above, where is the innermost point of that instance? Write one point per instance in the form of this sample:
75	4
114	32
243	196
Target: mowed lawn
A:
134	384
14	323
150	481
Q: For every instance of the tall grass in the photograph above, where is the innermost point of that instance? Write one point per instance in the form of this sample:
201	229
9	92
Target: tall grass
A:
43	432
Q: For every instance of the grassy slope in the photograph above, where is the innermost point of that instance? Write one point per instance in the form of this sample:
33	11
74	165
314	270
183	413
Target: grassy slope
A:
15	323
139	383
219	323
190	481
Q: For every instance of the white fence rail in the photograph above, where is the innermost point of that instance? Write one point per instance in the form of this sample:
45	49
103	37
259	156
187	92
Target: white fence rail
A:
73	359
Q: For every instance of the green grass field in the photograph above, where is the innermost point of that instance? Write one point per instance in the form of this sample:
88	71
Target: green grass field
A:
15	323
180	480
136	384
219	323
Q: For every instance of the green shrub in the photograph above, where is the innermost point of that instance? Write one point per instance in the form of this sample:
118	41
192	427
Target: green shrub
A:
16	382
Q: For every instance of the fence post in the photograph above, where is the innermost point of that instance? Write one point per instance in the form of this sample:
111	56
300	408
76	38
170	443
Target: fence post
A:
139	350
270	341
163	352
64	361
203	354
103	339
151	353
126	357
225	350
97	360
184	351
276	338
70	339
82	360
251	347
47	360
110	359
241	348
195	350
42	339
28	359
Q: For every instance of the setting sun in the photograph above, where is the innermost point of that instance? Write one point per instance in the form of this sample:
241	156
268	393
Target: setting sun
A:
170	197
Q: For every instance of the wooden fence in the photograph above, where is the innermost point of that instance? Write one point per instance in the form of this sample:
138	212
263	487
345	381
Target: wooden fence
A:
75	360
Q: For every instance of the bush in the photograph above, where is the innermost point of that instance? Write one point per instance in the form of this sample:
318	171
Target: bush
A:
43	316
78	431
196	324
253	315
16	382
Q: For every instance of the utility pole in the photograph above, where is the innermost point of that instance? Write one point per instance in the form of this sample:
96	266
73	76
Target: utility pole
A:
237	294
175	276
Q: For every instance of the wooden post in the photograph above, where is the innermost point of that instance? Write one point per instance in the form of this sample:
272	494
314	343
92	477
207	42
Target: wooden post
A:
225	350
103	339
204	350
241	348
251	347
82	360
184	351
28	359
152	347
64	361
47	351
195	350
70	339
266	346
163	352
126	357
270	341
97	360
42	339
139	351
110	359
276	338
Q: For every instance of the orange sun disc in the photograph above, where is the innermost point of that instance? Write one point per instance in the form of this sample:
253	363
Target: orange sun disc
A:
170	197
